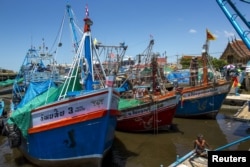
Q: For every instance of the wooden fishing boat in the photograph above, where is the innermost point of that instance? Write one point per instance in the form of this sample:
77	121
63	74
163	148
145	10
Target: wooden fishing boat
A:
149	106
38	68
6	74
150	113
192	159
75	126
204	99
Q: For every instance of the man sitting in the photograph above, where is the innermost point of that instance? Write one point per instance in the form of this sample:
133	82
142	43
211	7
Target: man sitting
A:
200	146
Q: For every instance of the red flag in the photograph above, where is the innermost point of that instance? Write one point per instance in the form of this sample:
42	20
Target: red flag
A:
235	82
210	36
112	55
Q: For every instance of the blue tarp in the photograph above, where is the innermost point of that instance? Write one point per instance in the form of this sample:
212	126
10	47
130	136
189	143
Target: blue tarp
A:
125	87
35	89
183	76
180	76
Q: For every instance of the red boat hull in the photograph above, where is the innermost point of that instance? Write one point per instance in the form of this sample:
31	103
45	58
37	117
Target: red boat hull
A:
157	115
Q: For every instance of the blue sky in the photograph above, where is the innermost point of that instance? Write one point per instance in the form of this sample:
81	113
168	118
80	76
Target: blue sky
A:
178	26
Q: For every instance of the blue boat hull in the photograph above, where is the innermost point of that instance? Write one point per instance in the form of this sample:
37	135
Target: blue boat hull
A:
73	145
202	101
207	106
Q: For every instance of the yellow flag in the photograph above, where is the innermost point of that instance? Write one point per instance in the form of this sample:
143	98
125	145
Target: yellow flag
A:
210	36
95	41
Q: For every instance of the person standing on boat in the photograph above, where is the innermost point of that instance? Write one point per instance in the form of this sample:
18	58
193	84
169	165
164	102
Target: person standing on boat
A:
200	146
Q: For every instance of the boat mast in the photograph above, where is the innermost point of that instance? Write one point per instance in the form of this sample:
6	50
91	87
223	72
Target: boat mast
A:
86	45
144	59
88	51
73	27
205	60
154	66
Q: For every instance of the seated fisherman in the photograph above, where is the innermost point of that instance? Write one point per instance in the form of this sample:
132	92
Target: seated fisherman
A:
200	146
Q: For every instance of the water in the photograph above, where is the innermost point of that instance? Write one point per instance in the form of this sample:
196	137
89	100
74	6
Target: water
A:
156	149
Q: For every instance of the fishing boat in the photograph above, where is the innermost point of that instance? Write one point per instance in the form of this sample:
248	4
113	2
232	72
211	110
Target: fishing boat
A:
148	106
151	113
192	159
7	78
37	73
202	99
76	126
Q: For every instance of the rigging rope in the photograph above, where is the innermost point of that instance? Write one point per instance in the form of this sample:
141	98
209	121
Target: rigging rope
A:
59	35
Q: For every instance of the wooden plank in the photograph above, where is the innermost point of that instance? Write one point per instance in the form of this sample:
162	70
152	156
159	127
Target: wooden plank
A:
236	100
240	97
243	114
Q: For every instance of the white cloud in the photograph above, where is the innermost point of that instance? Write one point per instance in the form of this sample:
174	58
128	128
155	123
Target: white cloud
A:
192	31
228	34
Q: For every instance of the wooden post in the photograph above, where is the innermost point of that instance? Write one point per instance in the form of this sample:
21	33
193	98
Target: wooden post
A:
204	60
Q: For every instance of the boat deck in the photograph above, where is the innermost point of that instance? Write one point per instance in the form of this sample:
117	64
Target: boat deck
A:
190	160
194	162
239	97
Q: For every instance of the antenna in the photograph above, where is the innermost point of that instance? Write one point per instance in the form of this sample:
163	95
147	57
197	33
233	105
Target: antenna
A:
31	39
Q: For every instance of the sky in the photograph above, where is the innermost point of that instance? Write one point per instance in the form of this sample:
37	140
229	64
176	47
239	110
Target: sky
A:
178	27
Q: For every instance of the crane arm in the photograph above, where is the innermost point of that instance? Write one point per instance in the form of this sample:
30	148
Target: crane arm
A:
243	33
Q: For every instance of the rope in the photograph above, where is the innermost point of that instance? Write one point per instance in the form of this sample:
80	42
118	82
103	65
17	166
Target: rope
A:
156	128
59	34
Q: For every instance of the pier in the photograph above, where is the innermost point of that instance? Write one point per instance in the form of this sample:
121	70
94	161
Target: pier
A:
238	100
240	103
243	113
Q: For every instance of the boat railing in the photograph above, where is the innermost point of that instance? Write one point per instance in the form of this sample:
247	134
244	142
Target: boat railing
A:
232	143
43	76
182	159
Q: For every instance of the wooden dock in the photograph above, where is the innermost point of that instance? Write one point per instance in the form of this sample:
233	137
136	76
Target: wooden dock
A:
234	100
243	113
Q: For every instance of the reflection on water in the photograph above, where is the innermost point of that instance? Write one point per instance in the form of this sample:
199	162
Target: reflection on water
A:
233	130
153	150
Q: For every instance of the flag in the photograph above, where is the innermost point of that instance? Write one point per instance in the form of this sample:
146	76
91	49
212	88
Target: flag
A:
210	36
111	55
235	82
95	41
110	81
87	11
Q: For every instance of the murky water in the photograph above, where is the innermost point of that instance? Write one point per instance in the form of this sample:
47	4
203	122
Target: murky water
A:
155	149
